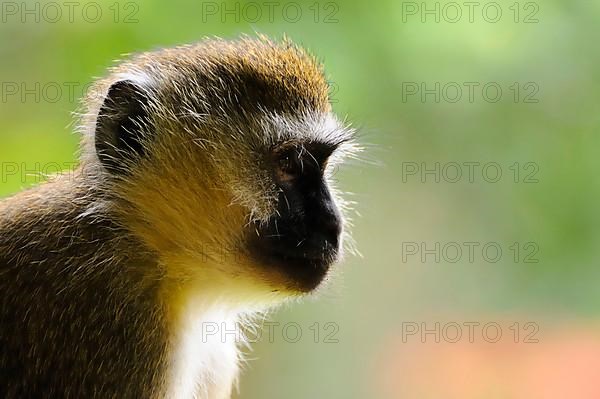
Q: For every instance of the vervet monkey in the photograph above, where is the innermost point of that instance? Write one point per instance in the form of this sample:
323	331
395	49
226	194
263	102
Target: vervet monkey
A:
203	195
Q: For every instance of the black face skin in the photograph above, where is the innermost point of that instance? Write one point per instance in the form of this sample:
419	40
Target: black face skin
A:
302	240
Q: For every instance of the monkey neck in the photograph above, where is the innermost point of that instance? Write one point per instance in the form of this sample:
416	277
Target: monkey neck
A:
205	356
203	322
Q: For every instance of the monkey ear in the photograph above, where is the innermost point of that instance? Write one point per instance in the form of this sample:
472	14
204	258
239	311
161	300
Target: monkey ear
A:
121	125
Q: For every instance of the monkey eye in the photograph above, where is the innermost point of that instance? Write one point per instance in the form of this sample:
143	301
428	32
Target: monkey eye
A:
293	162
289	167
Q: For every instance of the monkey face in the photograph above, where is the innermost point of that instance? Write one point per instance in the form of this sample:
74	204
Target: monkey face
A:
303	237
219	158
246	203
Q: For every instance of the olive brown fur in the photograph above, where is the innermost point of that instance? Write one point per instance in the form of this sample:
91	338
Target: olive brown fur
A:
203	195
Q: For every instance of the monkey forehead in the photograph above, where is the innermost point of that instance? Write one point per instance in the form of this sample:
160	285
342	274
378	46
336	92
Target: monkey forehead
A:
308	127
238	77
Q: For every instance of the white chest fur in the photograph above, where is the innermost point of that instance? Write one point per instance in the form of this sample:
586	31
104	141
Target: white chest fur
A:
205	362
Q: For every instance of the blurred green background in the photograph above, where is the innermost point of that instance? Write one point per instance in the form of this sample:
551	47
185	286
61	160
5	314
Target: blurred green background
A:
380	57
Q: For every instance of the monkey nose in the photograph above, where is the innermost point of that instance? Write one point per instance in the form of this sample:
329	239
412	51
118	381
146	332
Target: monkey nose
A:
332	226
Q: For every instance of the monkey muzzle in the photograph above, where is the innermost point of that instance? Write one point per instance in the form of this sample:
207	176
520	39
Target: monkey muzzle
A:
303	239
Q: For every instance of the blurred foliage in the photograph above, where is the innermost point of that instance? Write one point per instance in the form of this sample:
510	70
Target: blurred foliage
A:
372	51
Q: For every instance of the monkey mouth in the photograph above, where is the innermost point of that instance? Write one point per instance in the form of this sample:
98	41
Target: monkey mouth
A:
321	261
304	267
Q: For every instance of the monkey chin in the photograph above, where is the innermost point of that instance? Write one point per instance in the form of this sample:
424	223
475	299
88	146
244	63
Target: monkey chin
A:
298	273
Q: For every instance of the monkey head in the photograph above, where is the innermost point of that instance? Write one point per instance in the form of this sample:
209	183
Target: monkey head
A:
219	157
